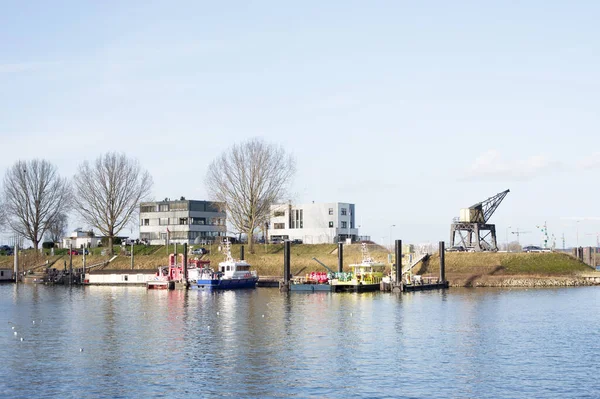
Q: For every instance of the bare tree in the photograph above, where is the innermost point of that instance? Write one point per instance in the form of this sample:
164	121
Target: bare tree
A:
34	195
57	228
249	178
2	213
109	191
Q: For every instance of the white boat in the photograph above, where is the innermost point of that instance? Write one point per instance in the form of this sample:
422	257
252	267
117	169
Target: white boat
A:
231	274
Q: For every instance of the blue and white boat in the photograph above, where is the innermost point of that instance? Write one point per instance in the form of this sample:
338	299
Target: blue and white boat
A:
231	274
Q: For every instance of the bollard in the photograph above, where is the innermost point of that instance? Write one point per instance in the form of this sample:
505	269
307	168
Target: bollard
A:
340	257
442	262
185	264
398	262
242	252
286	262
71	264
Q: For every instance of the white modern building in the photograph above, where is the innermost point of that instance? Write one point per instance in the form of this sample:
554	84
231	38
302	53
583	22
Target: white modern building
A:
81	239
182	221
320	223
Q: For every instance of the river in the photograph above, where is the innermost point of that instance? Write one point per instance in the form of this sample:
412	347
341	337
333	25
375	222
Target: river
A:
113	342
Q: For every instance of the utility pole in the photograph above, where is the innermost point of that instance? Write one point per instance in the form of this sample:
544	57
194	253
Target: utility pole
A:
544	229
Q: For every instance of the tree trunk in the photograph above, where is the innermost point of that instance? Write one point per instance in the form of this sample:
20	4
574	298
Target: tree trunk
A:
250	241
110	244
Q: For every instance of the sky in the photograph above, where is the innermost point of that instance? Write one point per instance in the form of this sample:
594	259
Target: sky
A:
410	110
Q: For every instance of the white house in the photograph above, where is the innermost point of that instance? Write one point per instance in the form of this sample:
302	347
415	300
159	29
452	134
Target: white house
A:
81	239
319	223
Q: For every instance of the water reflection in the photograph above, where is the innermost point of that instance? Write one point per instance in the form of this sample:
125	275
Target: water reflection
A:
261	343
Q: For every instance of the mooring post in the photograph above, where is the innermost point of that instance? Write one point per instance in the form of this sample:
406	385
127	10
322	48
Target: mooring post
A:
285	285
287	255
185	264
71	263
340	257
398	262
242	252
397	283
442	262
16	254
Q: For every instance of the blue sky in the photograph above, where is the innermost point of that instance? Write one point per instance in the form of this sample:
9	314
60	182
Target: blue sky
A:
411	110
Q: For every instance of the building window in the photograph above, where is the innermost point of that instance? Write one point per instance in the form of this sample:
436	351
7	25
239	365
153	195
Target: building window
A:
200	221
330	224
279	213
278	226
344	225
179	206
2	273
148	208
163	207
297	216
344	211
163	221
183	221
146	222
331	211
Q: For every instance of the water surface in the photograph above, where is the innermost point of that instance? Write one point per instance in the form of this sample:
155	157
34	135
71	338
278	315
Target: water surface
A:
113	342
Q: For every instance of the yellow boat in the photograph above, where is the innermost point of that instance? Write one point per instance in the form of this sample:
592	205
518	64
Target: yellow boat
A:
365	276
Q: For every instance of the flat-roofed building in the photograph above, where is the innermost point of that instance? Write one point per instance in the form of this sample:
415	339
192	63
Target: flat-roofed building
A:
319	223
182	221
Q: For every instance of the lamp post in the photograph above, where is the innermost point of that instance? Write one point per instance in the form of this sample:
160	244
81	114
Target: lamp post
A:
507	247
391	227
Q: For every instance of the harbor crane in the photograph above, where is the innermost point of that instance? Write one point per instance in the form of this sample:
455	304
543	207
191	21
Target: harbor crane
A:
472	230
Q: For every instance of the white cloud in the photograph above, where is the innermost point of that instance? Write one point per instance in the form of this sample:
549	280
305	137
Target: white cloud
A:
590	162
492	165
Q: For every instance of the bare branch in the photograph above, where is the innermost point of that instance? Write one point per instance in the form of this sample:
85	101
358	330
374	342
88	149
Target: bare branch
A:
57	228
109	191
249	178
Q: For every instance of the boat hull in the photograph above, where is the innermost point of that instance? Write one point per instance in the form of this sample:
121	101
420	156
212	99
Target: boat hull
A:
311	287
356	287
223	284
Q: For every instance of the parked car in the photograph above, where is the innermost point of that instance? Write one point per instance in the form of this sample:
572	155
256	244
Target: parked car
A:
200	251
297	241
456	248
532	248
72	252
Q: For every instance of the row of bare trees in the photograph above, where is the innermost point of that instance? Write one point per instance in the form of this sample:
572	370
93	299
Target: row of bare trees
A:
248	178
36	200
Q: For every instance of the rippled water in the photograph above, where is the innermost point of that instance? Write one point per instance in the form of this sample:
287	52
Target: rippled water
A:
478	343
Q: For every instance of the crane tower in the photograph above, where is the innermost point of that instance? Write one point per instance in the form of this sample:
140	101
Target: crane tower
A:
472	227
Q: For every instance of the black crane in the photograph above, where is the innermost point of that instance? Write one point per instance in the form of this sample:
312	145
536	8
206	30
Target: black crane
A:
472	227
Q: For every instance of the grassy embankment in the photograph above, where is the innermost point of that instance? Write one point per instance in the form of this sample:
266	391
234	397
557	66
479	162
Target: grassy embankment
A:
481	269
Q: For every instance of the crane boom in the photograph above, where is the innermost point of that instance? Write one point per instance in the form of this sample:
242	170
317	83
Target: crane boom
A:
485	209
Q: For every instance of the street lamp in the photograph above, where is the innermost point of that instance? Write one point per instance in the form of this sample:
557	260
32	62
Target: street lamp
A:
507	247
391	227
